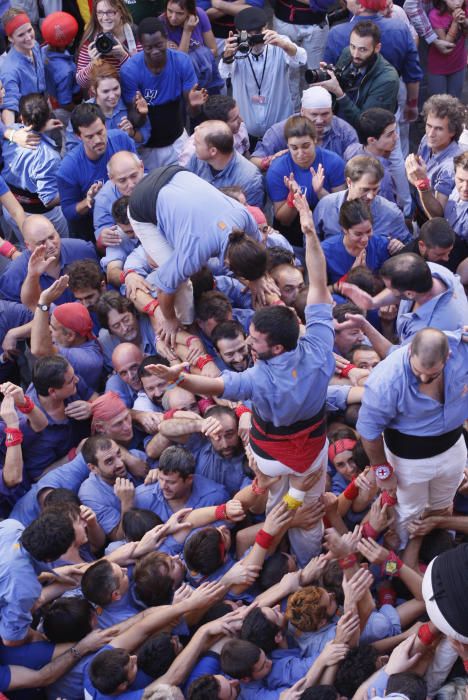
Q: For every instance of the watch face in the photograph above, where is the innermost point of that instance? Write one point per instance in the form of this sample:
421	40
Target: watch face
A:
391	568
382	472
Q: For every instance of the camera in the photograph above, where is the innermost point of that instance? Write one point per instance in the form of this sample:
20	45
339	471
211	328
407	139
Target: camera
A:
245	42
346	76
104	43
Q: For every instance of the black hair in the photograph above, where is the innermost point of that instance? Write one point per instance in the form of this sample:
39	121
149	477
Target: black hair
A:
204	688
227	329
277	255
373	122
61	498
367	28
108	670
238	657
437	233
354	212
151	25
49	373
280	325
409	684
257	629
214	305
156	655
356	667
85	114
298	126
93	445
112	301
153	584
408	271
99	583
273	570
247	258
434	543
85	274
320	692
67	620
202	551
202	281
119	210
137	521
156	359
49	536
218	107
177	460
340	310
34	110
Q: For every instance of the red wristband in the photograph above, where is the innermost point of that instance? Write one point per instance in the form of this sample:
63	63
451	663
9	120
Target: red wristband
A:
369	531
347	562
205	404
263	539
256	490
423	185
71	454
202	361
265	163
121	276
28	405
425	635
170	413
343	278
346	370
7	249
151	307
14	436
290	200
465	665
413	102
220	512
388	499
240	410
351	491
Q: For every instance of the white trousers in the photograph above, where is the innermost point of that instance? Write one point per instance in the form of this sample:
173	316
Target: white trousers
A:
166	155
157	246
305	544
426	484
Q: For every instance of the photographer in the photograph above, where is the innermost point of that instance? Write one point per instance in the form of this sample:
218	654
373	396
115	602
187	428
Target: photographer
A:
109	35
363	78
257	61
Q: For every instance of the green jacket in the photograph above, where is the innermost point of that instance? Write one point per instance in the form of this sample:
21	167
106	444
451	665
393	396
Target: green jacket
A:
378	88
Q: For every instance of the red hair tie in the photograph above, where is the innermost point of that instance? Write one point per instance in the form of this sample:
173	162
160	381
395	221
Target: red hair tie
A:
15	22
340	446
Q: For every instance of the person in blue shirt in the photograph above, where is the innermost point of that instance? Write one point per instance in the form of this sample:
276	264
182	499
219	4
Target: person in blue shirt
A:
417	398
88	283
31	173
24	553
216	161
44	261
306	168
22	71
59	30
287	434
168	83
84	170
15	327
357	244
363	177
178	486
125	381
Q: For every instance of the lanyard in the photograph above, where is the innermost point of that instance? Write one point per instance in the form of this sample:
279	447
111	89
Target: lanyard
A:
259	84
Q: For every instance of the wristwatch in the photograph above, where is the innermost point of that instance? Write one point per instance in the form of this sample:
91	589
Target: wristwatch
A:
43	307
382	471
392	565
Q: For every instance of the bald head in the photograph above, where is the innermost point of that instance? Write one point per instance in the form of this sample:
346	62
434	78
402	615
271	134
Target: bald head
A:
215	136
180	399
125	170
430	347
38	230
126	359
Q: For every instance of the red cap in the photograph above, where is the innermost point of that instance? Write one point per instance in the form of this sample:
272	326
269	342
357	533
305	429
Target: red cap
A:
59	29
374	5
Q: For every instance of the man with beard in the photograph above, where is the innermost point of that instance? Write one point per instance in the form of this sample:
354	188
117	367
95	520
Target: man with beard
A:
375	82
418	399
230	341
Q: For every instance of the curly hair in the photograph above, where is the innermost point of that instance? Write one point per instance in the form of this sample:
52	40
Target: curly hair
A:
447	106
304	609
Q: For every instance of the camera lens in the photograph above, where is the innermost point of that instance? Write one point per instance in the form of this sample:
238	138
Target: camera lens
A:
104	44
316	75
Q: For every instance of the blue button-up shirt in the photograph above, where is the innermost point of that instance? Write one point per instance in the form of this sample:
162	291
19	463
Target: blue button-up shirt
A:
228	472
109	342
456	213
388	219
398	46
339	261
337	139
33	169
60	74
102	212
204	493
21	75
388	187
12	315
239	172
447	311
392	398
440	168
280	388
100	497
13	277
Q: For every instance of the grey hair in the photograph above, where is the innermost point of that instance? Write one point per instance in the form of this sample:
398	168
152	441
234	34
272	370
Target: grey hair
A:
455	690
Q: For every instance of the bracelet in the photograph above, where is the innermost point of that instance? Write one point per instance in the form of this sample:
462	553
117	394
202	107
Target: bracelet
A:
265	163
169	414
343	278
388	499
425	636
27	406
202	361
14	436
351	491
240	410
423	185
290	200
75	653
178	381
413	102
346	370
190	339
7	249
11	137
256	489
220	512
392	565
123	274
228	60
347	562
264	539
369	531
151	307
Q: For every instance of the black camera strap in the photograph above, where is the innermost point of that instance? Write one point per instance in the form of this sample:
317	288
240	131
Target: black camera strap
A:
259	84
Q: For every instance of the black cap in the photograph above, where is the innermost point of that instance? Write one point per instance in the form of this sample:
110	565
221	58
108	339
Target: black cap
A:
250	19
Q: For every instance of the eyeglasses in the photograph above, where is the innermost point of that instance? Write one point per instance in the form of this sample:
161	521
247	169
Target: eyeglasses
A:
106	13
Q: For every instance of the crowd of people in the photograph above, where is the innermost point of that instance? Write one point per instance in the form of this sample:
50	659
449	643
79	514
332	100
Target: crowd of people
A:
234	350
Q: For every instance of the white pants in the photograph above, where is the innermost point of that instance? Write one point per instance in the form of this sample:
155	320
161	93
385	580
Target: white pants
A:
156	245
313	39
304	543
167	155
426	483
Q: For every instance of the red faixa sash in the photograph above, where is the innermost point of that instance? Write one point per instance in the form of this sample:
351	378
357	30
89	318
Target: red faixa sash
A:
296	446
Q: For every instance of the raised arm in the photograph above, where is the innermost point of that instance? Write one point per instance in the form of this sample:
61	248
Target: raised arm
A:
318	292
178	374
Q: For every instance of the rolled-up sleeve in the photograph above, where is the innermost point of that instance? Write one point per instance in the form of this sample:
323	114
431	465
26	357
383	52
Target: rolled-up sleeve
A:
238	386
